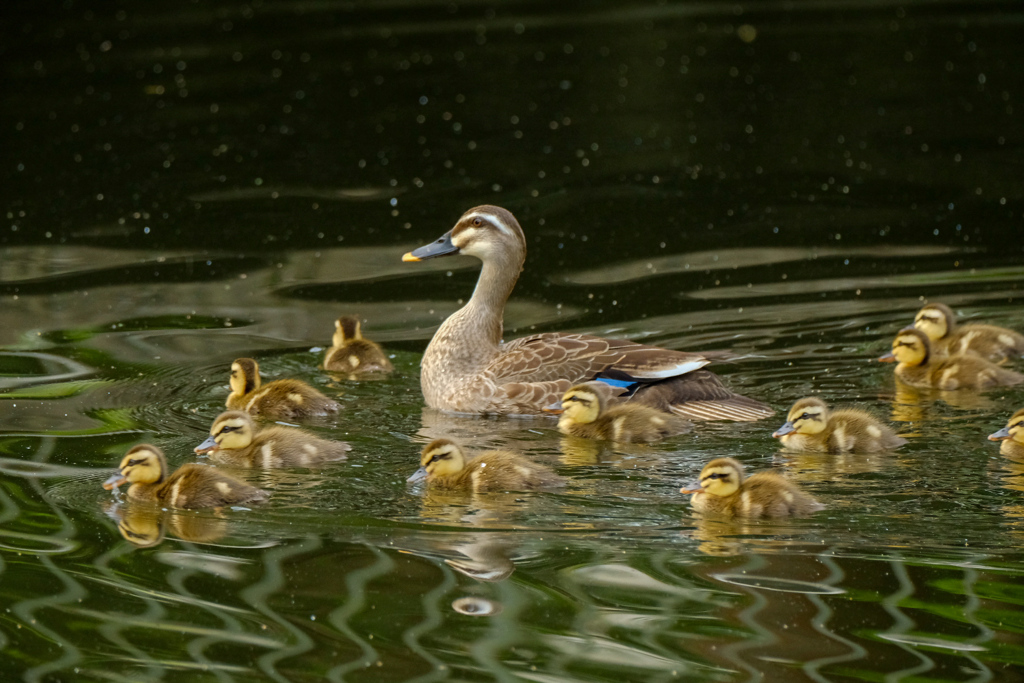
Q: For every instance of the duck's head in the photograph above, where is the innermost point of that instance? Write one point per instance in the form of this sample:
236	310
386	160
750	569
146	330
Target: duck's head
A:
720	477
231	430
935	320
347	328
143	464
581	404
440	458
489	233
1014	429
807	416
911	346
245	376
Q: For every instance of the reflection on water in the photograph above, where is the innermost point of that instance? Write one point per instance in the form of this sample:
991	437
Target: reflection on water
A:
189	185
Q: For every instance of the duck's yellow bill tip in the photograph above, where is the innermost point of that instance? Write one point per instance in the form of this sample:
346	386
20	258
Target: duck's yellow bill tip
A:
409	257
686	489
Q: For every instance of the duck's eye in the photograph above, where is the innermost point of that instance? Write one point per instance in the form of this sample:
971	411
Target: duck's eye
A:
136	461
228	428
805	416
477	222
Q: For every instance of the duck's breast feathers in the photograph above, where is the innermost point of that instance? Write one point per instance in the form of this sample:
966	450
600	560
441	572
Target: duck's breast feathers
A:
579	357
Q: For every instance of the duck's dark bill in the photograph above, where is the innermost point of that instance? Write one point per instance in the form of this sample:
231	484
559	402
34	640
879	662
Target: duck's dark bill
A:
887	358
1002	434
205	447
418	475
442	247
553	408
691	488
784	429
114	481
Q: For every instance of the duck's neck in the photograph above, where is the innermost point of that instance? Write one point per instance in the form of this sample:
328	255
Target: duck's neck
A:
468	340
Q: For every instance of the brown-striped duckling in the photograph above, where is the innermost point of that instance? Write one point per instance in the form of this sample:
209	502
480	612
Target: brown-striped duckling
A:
993	343
723	490
443	464
351	352
235	440
811	426
1012	436
191	486
919	367
586	413
285	399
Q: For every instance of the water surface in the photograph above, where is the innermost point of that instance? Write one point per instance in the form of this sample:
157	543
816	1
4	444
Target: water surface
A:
187	184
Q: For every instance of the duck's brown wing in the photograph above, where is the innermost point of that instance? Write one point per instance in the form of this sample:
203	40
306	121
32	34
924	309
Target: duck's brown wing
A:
700	395
537	370
578	357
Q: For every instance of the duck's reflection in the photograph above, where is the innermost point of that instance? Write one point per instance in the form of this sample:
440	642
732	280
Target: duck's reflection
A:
481	556
145	526
915	404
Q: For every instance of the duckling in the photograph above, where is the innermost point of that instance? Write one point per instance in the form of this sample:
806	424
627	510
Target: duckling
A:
444	465
811	426
235	441
723	490
585	413
351	352
1012	436
993	343
918	367
191	486
287	399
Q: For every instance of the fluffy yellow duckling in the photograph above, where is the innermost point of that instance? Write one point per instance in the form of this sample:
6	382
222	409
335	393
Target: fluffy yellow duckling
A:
1012	436
585	412
444	465
811	426
918	367
286	399
236	441
353	353
723	490
191	486
988	341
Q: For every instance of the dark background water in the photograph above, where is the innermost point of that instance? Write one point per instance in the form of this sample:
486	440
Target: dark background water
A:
187	183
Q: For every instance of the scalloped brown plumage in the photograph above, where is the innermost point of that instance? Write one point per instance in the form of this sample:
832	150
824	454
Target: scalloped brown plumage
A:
466	368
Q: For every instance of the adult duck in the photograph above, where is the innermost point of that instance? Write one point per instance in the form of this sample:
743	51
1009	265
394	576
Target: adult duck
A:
467	369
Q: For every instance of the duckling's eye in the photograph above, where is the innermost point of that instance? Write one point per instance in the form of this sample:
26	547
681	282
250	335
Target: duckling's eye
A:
439	456
477	222
805	416
227	428
136	461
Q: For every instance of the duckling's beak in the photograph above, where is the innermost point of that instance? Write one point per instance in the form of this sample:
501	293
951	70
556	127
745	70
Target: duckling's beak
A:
692	487
209	445
115	480
441	247
783	430
887	358
555	408
1001	435
418	475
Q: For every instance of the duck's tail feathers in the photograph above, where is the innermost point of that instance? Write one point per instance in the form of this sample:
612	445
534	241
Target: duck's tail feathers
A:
736	408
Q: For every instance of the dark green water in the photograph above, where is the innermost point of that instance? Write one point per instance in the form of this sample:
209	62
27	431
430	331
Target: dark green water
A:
187	183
